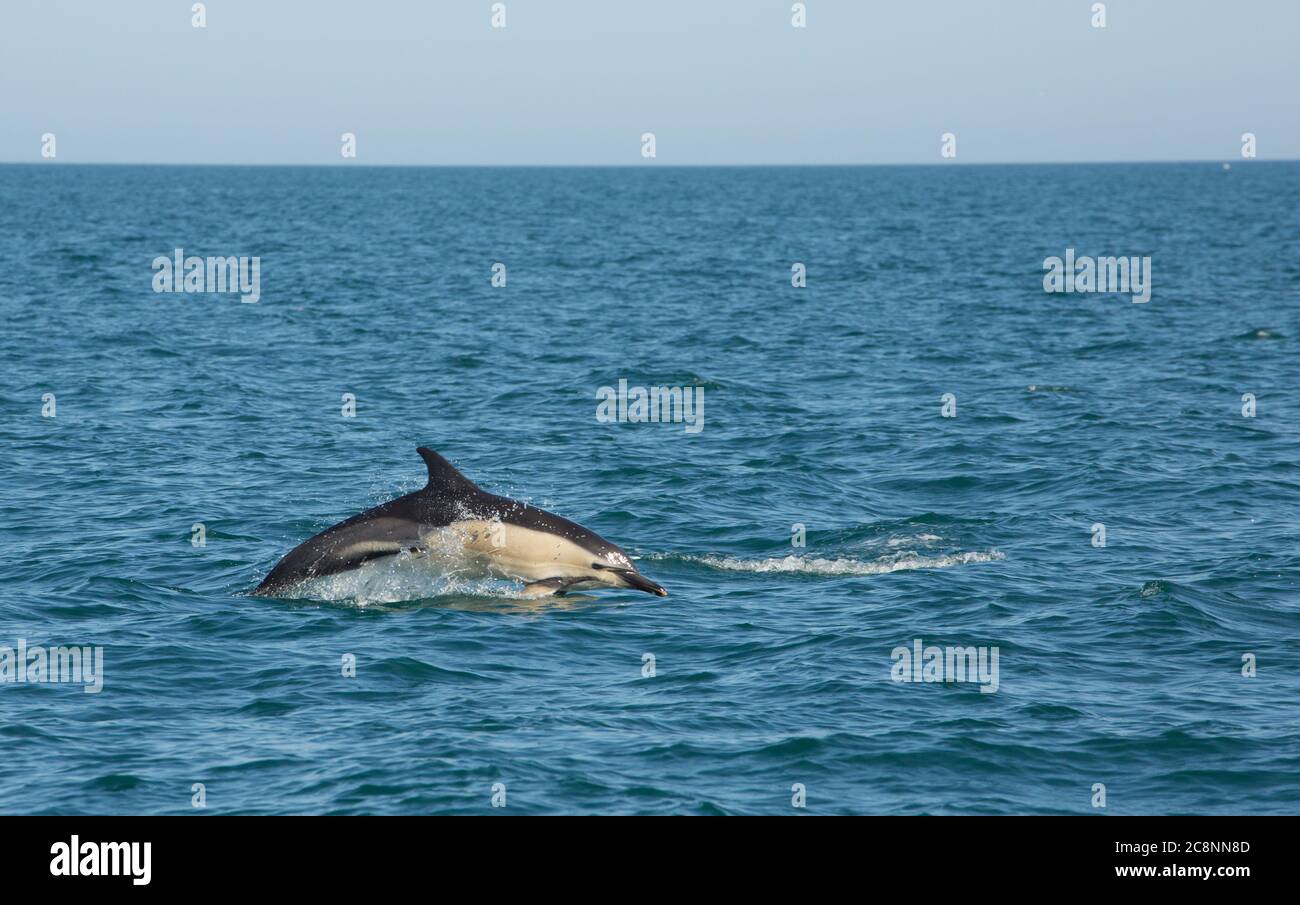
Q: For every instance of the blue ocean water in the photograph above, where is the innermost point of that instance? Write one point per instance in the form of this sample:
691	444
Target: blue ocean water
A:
1119	665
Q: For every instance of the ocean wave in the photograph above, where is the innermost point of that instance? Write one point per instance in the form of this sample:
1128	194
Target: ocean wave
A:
913	539
1260	333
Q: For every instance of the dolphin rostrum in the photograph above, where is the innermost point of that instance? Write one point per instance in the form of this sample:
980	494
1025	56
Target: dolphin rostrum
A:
452	519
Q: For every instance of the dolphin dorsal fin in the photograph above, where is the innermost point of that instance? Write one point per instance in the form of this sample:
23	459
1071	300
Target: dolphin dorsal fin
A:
443	476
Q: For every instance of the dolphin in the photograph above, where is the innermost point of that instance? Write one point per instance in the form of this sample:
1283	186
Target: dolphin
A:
462	527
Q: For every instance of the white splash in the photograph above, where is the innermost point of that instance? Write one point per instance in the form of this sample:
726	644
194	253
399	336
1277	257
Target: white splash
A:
841	566
402	577
917	539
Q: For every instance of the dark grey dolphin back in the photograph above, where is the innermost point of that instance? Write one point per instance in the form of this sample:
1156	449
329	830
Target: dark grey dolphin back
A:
385	530
450	495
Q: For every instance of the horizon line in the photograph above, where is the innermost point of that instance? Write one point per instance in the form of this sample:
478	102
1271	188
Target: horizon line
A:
646	165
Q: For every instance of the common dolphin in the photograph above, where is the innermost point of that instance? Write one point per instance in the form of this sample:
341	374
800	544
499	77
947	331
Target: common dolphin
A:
452	519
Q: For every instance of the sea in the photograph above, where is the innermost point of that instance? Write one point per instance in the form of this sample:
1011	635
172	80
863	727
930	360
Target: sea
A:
937	540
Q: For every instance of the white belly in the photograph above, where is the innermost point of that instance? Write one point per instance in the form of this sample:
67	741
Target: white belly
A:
464	557
502	550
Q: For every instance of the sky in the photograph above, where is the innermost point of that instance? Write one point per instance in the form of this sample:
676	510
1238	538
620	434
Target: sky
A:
578	82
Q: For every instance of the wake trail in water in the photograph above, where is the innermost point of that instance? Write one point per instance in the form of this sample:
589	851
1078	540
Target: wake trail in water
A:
816	565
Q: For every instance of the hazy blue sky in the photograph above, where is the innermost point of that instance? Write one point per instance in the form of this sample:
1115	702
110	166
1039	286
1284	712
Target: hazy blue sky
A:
579	81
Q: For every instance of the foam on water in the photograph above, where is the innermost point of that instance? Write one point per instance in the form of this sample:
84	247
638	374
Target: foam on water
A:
816	565
400	578
917	539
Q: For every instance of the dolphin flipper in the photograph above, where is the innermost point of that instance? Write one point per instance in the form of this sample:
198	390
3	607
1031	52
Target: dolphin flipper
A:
549	587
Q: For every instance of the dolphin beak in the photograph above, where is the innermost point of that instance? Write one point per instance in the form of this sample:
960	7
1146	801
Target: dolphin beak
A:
641	583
